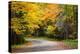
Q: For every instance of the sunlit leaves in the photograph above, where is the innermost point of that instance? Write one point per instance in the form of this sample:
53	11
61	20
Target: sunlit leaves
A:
50	29
29	17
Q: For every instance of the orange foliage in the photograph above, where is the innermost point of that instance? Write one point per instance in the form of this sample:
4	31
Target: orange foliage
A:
51	11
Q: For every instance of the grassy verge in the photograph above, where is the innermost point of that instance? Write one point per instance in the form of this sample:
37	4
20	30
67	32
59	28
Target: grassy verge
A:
18	45
71	43
44	38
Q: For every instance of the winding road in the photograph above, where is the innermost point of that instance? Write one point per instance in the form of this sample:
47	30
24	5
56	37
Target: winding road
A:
41	45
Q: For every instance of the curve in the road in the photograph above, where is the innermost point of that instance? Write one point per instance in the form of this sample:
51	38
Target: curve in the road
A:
41	45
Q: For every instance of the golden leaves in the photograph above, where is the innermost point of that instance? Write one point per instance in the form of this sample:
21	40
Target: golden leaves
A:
51	11
36	12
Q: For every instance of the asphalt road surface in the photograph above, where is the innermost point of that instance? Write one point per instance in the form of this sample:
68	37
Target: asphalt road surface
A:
41	45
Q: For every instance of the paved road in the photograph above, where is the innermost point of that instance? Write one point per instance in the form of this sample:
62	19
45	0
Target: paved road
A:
41	45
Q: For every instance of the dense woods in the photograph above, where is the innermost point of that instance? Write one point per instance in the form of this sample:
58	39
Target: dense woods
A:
29	19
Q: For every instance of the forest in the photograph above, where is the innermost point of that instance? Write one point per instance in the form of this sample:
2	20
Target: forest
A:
34	20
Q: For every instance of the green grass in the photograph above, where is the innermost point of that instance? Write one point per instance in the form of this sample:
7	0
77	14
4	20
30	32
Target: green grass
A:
18	45
71	43
44	38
